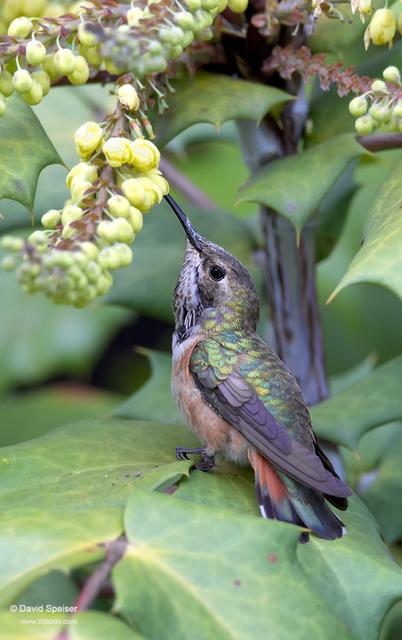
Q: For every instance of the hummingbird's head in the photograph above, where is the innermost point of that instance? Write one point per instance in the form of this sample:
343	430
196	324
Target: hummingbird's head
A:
213	286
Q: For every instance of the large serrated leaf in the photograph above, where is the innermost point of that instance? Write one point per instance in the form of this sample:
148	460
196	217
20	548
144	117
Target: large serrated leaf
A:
366	404
379	260
294	186
25	151
231	575
215	99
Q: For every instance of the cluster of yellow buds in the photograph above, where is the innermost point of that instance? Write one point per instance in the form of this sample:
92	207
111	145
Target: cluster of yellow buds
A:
381	107
117	180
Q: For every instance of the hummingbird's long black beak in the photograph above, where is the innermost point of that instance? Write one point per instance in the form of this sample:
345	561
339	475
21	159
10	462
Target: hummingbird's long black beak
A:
191	233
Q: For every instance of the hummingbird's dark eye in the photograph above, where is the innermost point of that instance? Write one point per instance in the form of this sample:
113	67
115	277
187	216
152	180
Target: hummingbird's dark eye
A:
217	273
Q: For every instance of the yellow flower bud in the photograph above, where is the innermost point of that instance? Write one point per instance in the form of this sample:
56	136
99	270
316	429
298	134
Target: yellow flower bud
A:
34	95
43	79
134	15
84	171
382	26
141	192
145	155
80	74
238	6
158	179
6	83
392	75
136	219
379	87
92	55
86	37
35	52
365	7
22	80
118	206
88	139
64	61
79	188
20	28
51	218
128	97
50	68
117	151
71	213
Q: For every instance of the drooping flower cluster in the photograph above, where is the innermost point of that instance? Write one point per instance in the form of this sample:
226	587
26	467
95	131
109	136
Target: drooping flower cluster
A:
381	106
117	180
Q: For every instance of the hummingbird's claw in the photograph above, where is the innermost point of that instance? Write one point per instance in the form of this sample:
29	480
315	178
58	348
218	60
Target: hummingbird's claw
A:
205	464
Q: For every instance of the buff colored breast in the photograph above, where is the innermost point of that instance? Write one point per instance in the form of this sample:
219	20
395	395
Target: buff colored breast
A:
215	434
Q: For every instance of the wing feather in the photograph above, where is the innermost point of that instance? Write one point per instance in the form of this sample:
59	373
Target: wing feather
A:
238	403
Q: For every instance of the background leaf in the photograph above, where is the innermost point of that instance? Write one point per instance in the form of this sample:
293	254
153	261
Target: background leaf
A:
215	99
25	151
295	185
366	404
379	259
142	405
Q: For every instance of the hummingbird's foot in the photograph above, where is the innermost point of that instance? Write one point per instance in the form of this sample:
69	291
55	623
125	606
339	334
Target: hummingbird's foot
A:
207	462
182	453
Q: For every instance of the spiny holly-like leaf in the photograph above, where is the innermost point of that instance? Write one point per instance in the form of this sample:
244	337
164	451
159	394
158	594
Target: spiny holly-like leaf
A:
366	404
232	575
215	99
294	186
154	400
25	151
65	492
380	258
162	235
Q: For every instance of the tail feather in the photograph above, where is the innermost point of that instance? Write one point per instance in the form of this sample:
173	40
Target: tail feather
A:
282	498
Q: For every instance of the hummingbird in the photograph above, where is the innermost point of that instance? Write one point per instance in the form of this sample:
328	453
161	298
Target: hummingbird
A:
238	396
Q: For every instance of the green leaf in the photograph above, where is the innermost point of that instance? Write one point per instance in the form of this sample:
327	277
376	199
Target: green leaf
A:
366	404
86	625
230	575
384	494
37	412
147	285
154	400
65	492
215	99
380	259
294	186
25	151
34	540
54	589
95	625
